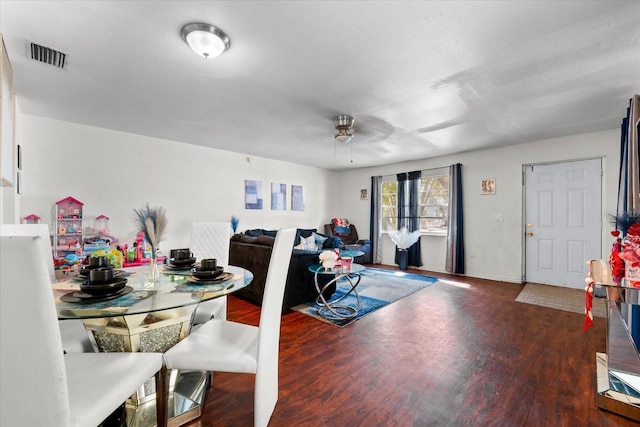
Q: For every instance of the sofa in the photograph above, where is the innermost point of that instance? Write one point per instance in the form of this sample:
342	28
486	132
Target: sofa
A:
252	250
352	242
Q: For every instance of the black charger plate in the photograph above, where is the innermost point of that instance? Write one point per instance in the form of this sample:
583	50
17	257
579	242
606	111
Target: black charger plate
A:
80	296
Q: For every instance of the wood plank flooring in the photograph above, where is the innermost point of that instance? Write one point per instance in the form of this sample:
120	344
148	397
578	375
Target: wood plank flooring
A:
461	352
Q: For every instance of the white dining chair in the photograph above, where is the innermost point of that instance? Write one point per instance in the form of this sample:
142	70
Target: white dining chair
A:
225	346
211	240
75	338
39	382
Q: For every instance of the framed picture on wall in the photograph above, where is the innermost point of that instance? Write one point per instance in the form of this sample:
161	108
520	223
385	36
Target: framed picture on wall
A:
364	194
488	186
253	194
278	197
297	200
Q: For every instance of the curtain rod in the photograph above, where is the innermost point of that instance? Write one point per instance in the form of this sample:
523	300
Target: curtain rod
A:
393	175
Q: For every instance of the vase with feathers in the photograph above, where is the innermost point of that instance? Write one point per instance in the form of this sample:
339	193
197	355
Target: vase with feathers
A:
404	239
152	222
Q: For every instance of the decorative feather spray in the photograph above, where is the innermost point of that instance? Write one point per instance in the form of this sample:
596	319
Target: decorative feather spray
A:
624	220
234	223
403	238
152	222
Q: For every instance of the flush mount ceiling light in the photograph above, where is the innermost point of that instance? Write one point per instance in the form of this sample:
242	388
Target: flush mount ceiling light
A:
343	125
205	40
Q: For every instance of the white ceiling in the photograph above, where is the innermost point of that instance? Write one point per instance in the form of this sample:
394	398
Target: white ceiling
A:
421	78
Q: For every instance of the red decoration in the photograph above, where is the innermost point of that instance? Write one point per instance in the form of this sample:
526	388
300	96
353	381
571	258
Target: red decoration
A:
588	304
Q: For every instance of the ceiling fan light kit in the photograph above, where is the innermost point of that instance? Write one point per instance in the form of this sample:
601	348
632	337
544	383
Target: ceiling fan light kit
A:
344	131
205	40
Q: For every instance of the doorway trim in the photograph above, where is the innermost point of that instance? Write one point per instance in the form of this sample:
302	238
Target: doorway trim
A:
524	205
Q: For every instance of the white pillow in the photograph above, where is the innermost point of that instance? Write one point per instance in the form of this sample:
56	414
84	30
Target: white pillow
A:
307	243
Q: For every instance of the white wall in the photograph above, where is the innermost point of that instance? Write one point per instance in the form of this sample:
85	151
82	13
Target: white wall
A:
497	244
113	173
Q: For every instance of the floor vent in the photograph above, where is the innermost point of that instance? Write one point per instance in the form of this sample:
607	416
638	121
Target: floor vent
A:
47	55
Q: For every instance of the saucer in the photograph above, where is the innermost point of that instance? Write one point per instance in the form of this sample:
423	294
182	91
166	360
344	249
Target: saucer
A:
185	261
223	277
102	288
76	297
207	274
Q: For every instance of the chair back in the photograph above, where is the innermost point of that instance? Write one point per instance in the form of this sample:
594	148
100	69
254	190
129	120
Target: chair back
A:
271	311
32	364
41	230
211	240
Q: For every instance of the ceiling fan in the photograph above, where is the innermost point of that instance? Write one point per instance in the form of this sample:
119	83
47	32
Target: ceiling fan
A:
344	128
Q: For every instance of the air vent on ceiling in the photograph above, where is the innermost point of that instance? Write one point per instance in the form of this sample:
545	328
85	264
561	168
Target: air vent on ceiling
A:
47	55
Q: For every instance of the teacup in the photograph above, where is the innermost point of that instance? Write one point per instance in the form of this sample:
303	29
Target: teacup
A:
208	264
181	253
101	275
98	261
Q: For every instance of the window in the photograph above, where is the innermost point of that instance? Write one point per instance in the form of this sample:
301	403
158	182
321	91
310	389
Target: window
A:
389	205
433	208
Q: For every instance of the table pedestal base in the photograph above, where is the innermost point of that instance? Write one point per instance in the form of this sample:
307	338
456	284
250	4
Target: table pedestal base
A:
153	332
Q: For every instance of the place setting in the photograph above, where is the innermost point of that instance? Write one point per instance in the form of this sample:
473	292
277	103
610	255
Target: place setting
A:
181	262
101	285
96	262
208	272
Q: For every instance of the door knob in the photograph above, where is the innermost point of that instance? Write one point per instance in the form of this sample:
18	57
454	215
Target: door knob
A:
530	234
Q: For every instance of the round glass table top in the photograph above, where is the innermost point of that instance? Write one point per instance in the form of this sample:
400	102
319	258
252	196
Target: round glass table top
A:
318	269
141	296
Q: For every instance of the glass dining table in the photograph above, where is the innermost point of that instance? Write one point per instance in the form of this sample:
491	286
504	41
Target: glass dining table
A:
149	317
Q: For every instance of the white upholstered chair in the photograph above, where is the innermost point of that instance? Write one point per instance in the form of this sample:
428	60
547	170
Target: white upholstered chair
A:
211	240
39	383
225	346
75	338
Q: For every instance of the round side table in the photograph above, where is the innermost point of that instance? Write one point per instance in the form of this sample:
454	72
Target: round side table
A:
336	308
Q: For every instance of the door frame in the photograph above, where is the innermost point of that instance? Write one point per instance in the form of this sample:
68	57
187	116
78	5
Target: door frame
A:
523	230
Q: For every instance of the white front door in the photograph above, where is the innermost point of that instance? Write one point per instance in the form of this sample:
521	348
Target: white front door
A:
563	221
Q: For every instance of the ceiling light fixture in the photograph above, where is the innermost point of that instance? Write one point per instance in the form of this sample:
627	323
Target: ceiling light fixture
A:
205	40
343	125
343	135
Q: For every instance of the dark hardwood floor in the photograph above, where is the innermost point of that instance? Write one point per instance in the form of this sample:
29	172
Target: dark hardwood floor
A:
461	352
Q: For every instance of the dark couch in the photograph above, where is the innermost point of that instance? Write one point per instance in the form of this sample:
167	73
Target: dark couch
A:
252	250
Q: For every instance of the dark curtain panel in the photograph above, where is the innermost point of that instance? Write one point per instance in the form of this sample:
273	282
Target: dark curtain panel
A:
375	218
408	215
455	235
629	179
622	177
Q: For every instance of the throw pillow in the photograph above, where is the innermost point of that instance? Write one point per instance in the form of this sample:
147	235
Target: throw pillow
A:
254	233
270	233
302	232
332	243
319	238
306	243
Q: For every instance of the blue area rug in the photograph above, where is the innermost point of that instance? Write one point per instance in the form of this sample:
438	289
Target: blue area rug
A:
378	288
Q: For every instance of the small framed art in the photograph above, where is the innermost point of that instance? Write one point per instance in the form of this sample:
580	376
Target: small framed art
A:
488	186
